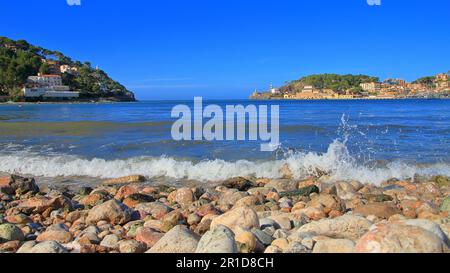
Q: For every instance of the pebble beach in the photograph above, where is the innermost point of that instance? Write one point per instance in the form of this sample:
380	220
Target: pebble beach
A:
239	215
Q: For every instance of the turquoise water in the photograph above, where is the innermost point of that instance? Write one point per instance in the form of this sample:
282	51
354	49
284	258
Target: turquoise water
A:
355	139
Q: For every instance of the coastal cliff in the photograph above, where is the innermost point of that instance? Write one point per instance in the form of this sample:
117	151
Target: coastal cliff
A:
19	60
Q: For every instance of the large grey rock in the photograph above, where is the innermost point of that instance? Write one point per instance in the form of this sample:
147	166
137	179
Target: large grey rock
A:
48	247
178	240
110	241
243	217
112	211
218	240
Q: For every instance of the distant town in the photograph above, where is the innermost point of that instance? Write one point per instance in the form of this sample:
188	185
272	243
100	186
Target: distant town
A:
333	86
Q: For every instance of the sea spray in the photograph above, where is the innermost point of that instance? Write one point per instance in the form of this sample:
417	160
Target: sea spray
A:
336	162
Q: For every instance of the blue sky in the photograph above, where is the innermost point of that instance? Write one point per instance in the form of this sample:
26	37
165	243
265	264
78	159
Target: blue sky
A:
178	49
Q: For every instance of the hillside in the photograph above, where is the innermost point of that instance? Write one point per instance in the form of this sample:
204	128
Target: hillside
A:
19	60
339	83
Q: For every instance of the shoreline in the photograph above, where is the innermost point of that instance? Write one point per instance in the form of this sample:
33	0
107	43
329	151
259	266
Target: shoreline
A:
65	102
239	215
348	99
249	99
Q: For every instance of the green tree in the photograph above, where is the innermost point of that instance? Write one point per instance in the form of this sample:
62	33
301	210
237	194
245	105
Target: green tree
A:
44	69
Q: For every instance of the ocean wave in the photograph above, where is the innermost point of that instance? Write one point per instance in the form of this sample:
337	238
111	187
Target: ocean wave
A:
336	162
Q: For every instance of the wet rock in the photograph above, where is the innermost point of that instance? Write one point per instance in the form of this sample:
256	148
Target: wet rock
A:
218	240
16	184
125	191
125	180
334	246
399	238
378	197
347	226
112	211
10	232
96	198
48	247
381	210
345	191
40	204
282	185
132	246
178	240
239	183
306	191
243	217
136	199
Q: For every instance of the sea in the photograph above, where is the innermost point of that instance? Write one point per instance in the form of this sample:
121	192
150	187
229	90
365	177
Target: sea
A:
365	140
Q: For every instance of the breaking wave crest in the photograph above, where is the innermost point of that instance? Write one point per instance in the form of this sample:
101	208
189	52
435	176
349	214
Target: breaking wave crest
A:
336	162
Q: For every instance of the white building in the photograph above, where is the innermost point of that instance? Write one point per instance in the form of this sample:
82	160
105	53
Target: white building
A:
308	89
274	90
42	92
68	69
45	80
371	86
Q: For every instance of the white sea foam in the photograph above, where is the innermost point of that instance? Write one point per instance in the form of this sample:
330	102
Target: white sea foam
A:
337	162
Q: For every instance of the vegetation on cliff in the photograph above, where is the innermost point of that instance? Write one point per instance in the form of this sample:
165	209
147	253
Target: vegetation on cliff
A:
19	59
339	83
